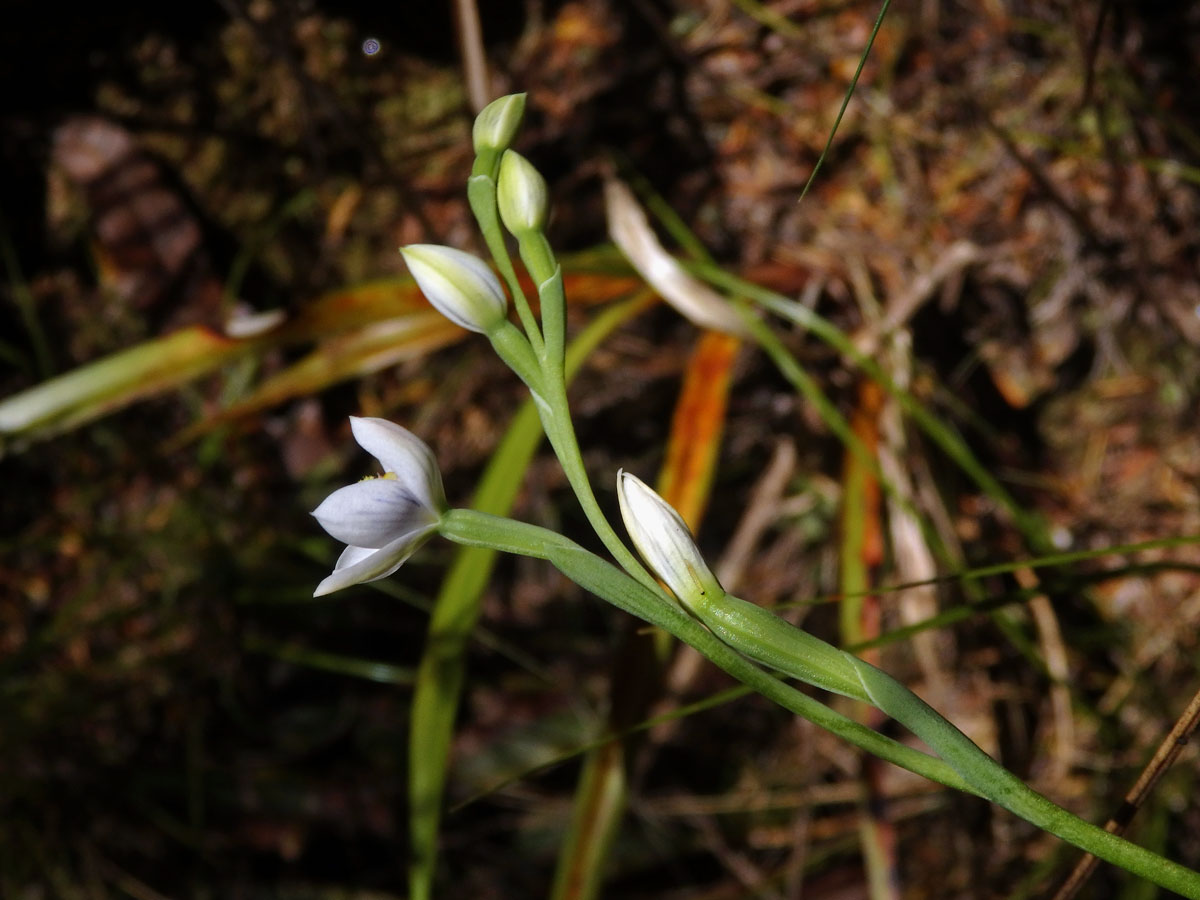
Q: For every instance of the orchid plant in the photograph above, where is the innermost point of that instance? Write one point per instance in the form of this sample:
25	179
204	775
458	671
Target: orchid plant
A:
384	520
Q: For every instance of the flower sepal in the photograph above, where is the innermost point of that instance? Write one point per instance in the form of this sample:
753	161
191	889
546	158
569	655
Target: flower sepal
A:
521	195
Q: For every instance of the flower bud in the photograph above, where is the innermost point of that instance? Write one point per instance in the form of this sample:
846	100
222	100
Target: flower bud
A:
497	124
665	543
521	194
460	286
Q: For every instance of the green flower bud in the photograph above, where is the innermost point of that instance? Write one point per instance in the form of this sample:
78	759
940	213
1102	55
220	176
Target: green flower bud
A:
460	286
496	126
521	195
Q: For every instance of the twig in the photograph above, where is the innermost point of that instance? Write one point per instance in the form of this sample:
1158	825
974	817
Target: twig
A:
1170	748
1090	52
469	31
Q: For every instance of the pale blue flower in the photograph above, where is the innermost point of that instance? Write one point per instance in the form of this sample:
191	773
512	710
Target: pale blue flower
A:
384	519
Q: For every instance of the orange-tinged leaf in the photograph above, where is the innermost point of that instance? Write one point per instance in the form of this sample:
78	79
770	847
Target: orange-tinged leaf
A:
357	330
354	307
91	391
697	426
861	481
862	545
342	357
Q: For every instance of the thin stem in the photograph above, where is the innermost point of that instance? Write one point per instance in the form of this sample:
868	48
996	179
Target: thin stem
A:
846	100
965	766
993	781
554	321
601	578
1030	525
512	347
539	260
556	420
481	194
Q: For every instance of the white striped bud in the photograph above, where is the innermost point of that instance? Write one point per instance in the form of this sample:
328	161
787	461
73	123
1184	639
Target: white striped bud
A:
521	195
460	286
665	543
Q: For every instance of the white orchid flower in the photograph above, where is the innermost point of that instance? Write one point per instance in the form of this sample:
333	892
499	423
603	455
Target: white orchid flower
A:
665	543
384	519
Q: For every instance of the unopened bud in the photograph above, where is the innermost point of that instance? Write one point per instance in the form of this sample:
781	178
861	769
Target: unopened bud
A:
497	124
460	286
665	543
521	195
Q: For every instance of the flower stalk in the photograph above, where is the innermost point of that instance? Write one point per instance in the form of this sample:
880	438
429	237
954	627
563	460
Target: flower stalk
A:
524	208
962	764
494	130
476	529
383	520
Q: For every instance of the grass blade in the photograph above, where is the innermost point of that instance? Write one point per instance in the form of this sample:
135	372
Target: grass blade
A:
685	482
441	670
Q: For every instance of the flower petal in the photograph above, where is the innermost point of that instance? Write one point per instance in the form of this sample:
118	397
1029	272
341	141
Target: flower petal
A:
374	513
402	452
358	565
352	556
631	232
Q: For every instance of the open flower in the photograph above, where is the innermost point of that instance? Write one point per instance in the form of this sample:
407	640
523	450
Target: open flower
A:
384	519
665	543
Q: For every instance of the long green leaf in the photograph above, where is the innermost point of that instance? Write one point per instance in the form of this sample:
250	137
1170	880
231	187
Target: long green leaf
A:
441	670
355	667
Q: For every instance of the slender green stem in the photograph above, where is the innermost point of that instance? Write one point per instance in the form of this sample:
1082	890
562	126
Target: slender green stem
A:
831	416
554	320
512	347
603	579
1030	525
542	369
964	766
993	781
556	420
481	194
760	635
846	100
539	259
